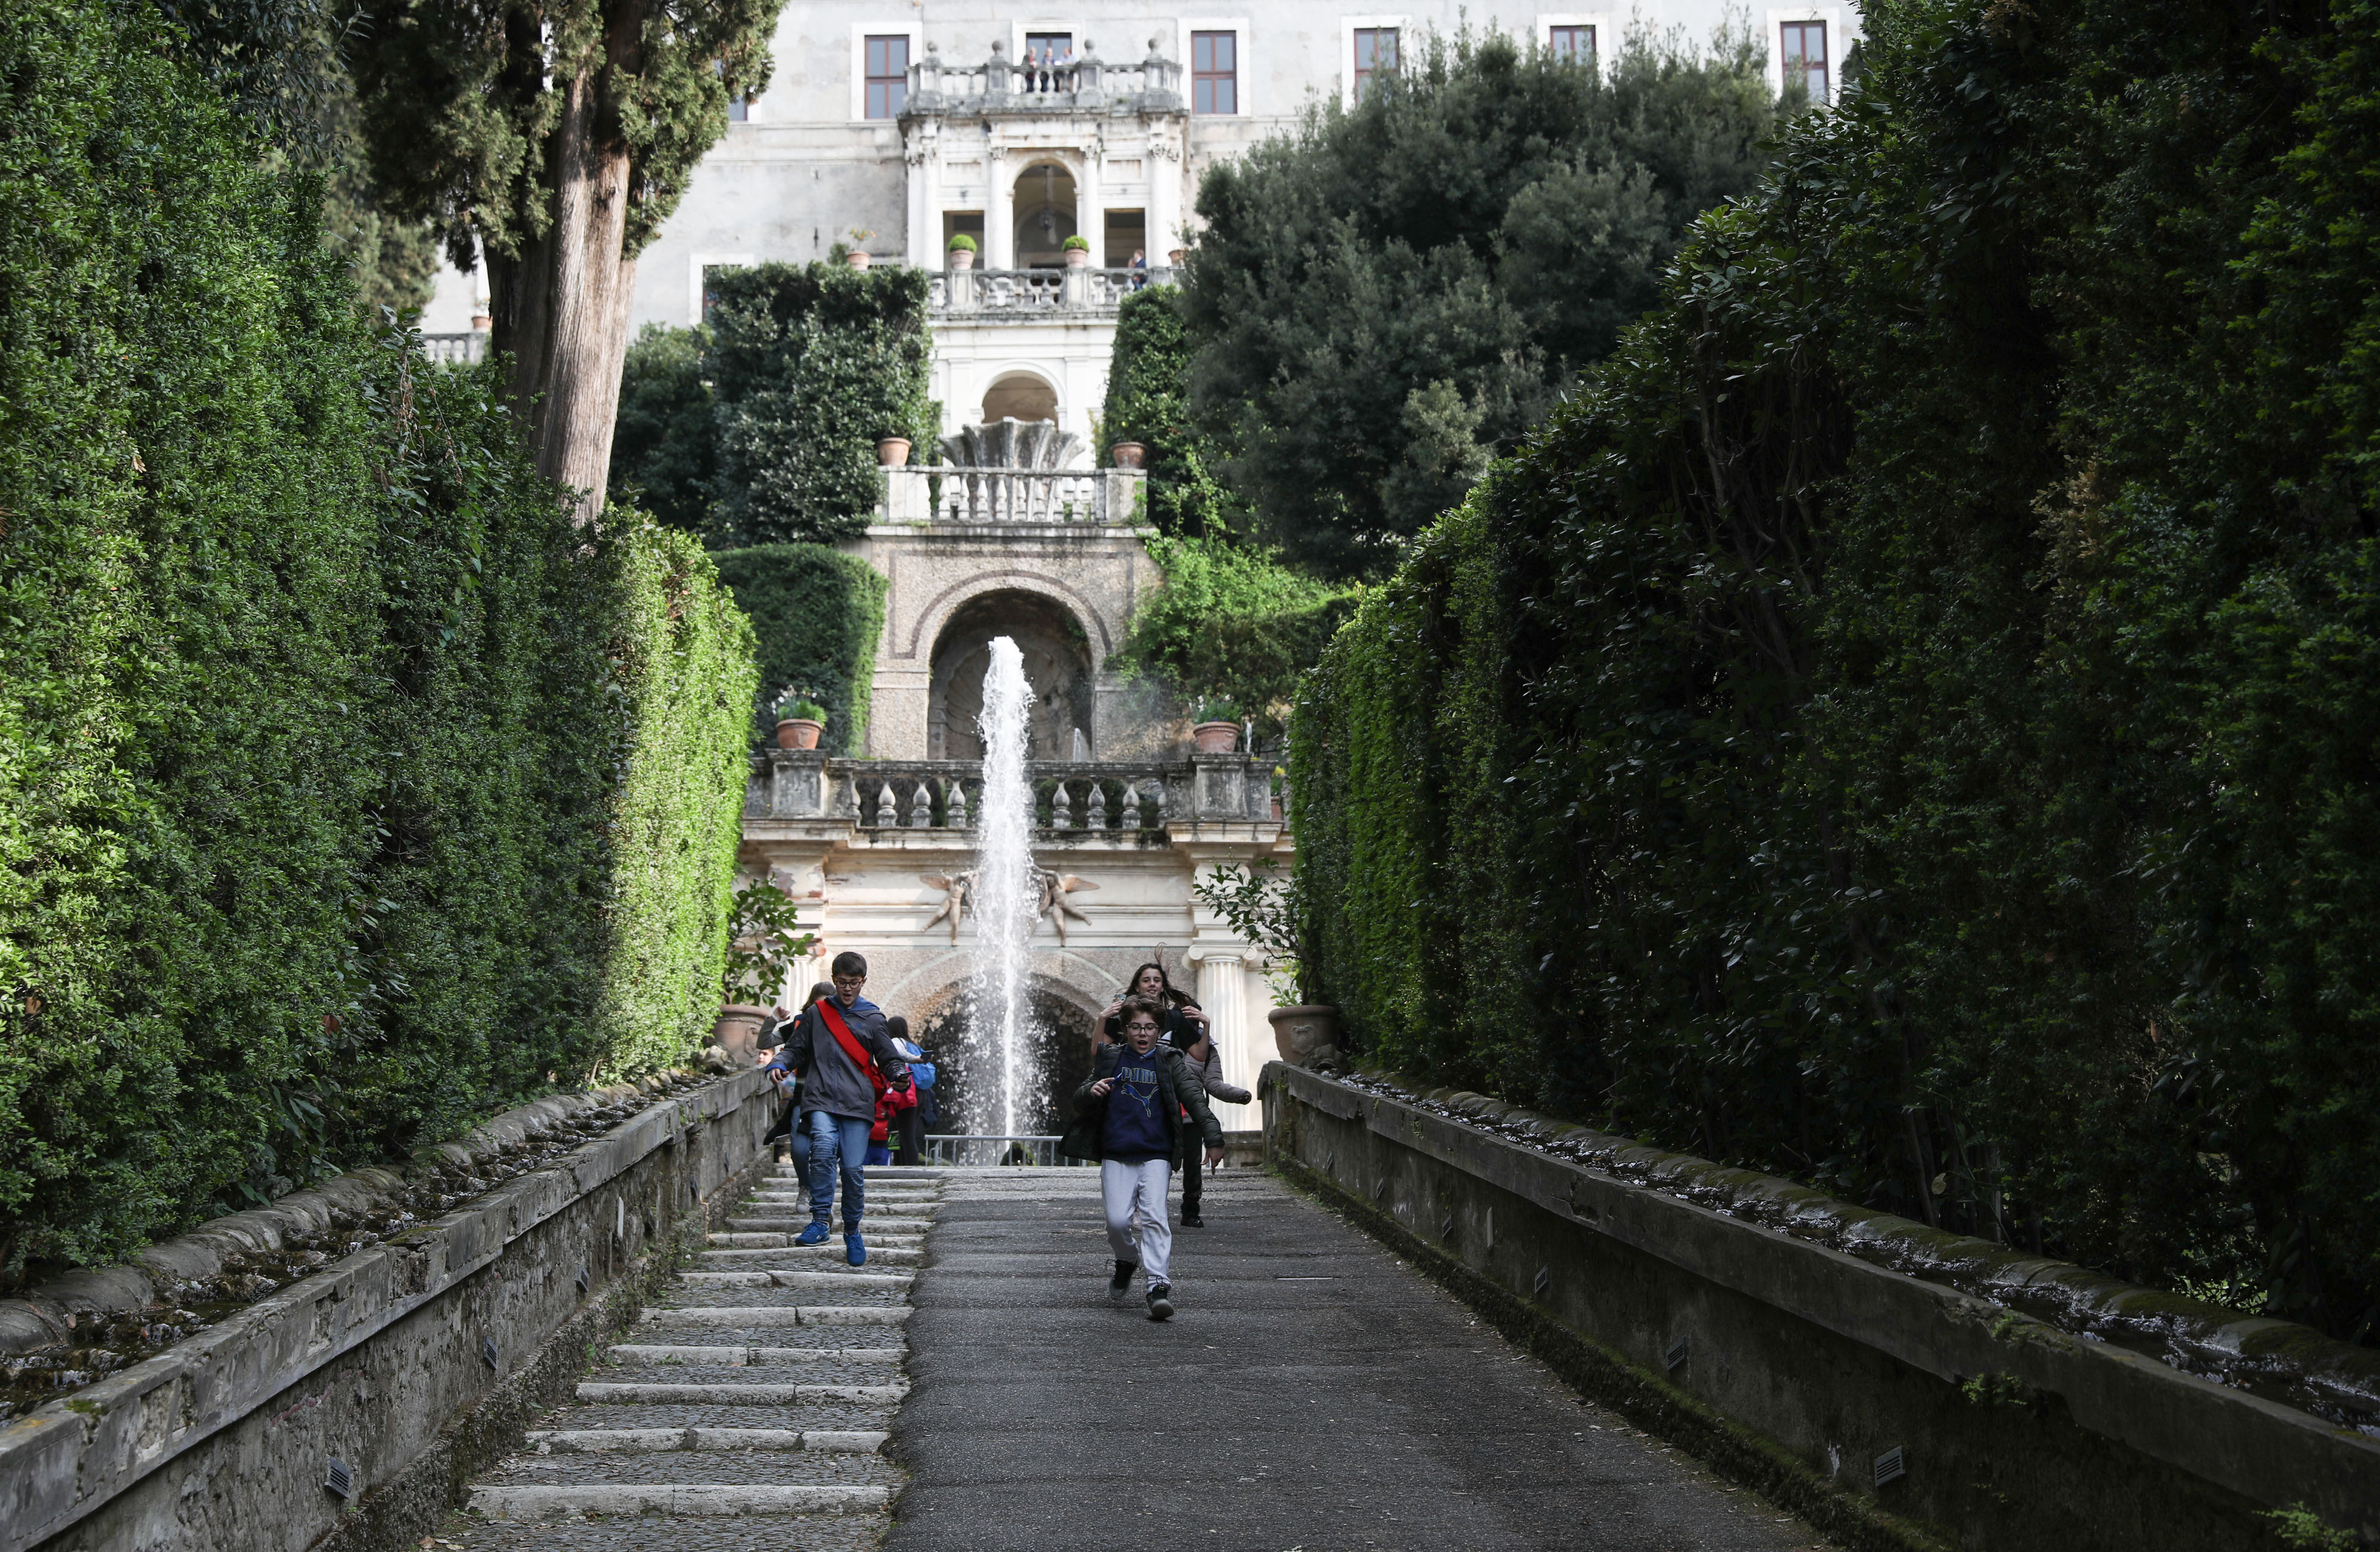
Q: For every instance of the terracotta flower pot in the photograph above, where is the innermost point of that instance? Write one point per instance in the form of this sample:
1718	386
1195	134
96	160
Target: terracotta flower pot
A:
1130	455
798	733
738	1032
1305	1031
1076	257
856	258
960	258
1215	738
892	451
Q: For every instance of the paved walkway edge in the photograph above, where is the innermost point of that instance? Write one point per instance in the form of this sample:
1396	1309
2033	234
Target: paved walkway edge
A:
1636	1393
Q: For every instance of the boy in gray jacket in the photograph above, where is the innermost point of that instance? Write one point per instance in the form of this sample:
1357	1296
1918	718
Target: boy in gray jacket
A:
834	1043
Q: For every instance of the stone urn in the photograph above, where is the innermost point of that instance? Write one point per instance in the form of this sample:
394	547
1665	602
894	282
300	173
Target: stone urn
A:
961	257
798	733
856	258
1215	738
738	1032
1130	455
892	451
1077	257
1305	1034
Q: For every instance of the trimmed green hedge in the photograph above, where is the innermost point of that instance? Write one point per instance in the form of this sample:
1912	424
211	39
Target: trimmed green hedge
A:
330	751
1908	723
817	614
1148	403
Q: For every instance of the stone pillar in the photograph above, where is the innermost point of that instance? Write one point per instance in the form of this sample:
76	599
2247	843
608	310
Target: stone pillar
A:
924	155
1222	993
1090	206
1165	192
998	211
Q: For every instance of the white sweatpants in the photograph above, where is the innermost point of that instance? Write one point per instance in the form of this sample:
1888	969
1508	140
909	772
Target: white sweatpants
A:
1135	1194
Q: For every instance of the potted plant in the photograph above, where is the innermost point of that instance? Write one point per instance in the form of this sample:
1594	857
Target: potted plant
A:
764	941
1216	728
856	256
1130	455
960	253
800	720
892	451
1262	906
1078	251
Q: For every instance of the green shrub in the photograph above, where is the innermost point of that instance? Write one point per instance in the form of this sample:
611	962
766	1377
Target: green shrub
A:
1233	626
816	614
665	437
1906	723
811	364
1148	402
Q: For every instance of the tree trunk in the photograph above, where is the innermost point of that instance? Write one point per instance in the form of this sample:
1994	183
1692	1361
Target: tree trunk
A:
561	310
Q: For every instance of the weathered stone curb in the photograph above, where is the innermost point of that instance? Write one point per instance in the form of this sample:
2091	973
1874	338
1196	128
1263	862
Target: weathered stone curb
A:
68	1460
1996	1422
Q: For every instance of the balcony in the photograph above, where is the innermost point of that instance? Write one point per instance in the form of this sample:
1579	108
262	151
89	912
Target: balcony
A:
998	86
949	494
935	802
1033	296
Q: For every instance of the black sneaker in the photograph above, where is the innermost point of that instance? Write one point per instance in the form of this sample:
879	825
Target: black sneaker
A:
1161	1302
1190	1219
1120	1284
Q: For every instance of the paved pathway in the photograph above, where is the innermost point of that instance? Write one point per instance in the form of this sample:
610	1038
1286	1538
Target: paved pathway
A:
1313	1393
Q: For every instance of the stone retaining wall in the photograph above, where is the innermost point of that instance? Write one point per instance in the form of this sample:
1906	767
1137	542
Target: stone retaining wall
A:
228	1438
1851	1380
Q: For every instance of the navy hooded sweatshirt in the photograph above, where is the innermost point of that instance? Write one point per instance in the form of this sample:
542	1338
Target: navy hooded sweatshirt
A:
1134	1132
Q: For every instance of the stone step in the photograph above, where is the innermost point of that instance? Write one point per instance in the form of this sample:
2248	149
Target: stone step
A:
886	1206
890	1282
756	1316
640	1441
655	1393
755	1239
902	1173
726	1498
792	1256
793	1223
754	1357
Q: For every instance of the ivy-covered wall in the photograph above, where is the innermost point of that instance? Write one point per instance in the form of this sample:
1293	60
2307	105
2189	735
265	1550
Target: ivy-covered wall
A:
1907	723
340	785
816	615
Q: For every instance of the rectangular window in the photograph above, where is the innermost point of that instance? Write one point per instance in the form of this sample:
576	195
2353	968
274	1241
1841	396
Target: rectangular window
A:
1046	50
1571	46
1376	53
1214	73
1805	54
739	109
888	77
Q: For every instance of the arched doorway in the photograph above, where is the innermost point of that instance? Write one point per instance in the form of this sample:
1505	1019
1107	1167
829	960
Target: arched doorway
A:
1045	216
1064	1038
1057	664
1021	395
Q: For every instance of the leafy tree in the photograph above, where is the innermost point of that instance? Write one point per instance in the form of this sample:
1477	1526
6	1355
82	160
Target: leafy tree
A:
1148	403
1384	299
1232	625
666	445
551	140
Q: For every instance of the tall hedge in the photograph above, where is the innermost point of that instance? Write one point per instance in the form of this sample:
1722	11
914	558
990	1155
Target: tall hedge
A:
1908	723
318	719
816	615
810	365
1149	402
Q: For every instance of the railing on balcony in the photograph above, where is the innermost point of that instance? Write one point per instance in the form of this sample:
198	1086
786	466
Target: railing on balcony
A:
951	493
1026	294
1154	85
1072	801
460	349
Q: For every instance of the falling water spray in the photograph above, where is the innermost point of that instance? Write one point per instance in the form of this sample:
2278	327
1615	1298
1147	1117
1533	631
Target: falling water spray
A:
1001	1038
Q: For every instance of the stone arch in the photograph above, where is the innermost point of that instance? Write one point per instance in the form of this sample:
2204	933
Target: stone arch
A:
1023	394
1045	199
932	619
1058	664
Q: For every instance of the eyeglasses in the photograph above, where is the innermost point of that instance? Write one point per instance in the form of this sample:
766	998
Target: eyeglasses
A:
1142	1024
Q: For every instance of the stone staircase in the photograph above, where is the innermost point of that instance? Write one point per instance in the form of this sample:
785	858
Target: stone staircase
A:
752	1407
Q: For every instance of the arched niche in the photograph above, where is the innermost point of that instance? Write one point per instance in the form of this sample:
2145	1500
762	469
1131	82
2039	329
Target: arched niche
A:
1045	216
1057	665
1021	395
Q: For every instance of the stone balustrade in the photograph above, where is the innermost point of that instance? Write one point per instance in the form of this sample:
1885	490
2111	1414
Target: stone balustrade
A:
954	493
1025	295
1083	800
456	349
999	84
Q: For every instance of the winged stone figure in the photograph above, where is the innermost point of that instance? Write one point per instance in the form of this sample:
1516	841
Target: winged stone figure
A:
1054	888
955	903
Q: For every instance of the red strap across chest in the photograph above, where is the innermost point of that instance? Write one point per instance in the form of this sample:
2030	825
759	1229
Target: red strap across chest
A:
851	1046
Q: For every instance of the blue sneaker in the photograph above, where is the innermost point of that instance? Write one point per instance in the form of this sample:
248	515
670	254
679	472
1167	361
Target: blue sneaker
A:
855	1249
814	1234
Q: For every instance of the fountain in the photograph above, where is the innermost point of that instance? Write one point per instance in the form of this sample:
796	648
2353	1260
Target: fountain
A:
1004	896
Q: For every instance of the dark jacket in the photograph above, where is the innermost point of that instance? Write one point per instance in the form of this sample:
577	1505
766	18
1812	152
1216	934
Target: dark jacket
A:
830	1081
1176	1089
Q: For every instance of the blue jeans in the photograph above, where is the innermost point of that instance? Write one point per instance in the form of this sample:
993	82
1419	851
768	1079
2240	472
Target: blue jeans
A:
837	1140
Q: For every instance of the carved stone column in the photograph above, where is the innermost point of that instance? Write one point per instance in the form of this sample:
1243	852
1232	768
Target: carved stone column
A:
998	211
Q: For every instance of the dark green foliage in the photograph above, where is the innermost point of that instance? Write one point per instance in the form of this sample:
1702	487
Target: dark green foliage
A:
666	445
1232	625
1148	402
811	364
816	612
1384	299
1908	722
314	710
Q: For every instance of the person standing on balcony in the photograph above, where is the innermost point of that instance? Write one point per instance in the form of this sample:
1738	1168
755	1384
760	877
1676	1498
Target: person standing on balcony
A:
844	1057
1129	1116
